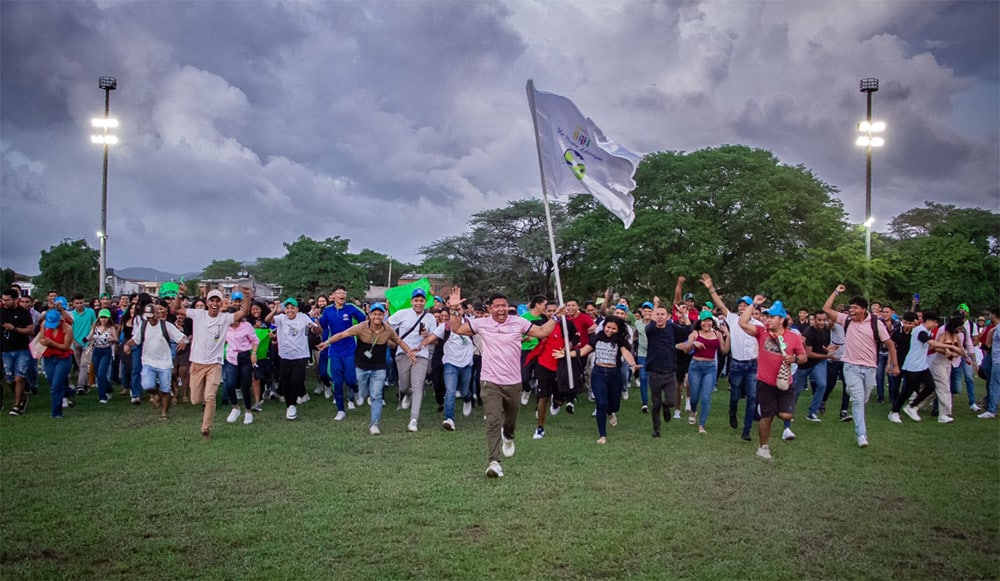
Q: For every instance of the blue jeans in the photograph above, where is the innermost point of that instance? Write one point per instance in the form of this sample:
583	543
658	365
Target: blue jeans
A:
238	376
136	386
643	380
606	382
964	371
743	380
883	360
341	370
102	366
701	378
372	381
455	379
815	375
57	372
993	388
153	375
859	380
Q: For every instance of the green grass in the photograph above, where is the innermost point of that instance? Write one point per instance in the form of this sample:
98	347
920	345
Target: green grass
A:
111	492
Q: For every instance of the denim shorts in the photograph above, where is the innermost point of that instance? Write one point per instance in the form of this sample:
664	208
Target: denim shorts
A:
149	376
15	363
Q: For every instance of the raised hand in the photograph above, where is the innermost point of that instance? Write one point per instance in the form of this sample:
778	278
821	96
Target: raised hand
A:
841	288
706	280
455	298
759	299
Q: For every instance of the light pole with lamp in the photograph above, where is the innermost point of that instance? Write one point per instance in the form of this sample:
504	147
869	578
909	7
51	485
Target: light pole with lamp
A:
107	84
868	141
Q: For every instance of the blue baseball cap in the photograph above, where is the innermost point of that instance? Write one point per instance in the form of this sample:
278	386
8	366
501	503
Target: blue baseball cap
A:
236	296
377	307
418	292
438	299
62	301
622	307
745	299
776	310
52	319
646	305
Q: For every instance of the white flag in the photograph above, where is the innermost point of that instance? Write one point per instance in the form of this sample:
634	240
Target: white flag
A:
576	157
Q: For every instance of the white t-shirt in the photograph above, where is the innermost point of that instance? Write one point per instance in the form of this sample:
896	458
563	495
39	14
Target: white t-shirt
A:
209	336
403	320
458	349
293	338
743	347
155	349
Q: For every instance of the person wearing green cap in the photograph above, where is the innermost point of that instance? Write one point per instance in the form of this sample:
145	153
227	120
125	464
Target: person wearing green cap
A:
293	350
103	339
704	344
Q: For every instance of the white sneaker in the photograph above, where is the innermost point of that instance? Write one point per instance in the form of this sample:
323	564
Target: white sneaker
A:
539	434
894	418
350	404
412	426
862	442
406	402
687	404
975	407
319	390
327	393
494	470
247	419
943	419
508	446
131	400
677	414
233	416
764	452
65	403
986	416
448	424
912	412
359	401
369	400
593	414
525	397
374	431
467	409
340	415
625	394
291	412
788	434
553	411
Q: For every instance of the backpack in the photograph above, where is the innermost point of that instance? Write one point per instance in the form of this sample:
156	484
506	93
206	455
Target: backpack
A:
874	322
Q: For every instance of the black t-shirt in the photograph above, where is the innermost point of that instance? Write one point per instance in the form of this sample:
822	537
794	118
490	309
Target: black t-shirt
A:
661	354
377	352
12	340
818	339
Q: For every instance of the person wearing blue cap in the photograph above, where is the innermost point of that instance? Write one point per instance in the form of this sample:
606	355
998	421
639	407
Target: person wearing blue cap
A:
57	338
413	325
340	369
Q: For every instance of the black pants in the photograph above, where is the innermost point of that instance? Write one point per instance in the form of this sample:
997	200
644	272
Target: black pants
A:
663	394
835	370
912	380
240	377
292	379
437	380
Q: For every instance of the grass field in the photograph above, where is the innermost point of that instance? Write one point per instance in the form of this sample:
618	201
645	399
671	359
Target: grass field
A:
110	492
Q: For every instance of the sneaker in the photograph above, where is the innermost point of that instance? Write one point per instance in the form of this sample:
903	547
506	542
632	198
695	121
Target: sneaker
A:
327	392
448	424
894	418
702	430
525	397
764	452
247	418
943	419
508	446
66	403
656	434
412	426
593	414
625	394
135	401
539	434
494	470
677	414
745	437
732	421
291	413
845	416
102	401
822	408
318	390
340	415
15	411
975	408
234	415
258	407
570	408
788	434
912	412
350	404
359	401
300	400
644	409
862	442
374	431
691	419
369	401
467	409
986	416
613	420
553	410
813	418
406	402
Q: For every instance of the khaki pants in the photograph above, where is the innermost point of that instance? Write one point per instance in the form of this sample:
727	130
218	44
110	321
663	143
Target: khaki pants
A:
204	381
411	381
941	371
501	404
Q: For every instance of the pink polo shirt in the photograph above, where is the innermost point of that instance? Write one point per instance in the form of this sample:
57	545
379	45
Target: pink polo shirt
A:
859	345
501	348
242	338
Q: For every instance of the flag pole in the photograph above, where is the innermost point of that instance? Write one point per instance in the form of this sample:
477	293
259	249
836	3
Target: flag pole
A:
552	239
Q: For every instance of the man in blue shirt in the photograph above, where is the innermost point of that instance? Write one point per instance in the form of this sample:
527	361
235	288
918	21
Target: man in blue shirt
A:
341	316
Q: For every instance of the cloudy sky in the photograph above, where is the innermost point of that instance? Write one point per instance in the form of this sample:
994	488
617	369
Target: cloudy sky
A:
246	124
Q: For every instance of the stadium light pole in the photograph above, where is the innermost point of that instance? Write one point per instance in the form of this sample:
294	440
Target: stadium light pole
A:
107	84
868	140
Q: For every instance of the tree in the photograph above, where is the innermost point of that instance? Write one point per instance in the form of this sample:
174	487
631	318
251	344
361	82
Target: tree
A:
506	250
732	211
70	267
376	266
6	277
223	268
311	267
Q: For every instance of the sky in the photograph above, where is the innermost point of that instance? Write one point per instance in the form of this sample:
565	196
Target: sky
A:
246	124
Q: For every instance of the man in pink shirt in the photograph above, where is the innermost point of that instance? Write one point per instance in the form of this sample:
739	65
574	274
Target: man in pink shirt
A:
501	372
860	354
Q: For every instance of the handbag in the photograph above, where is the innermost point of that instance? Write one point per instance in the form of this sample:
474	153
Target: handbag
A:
784	380
36	348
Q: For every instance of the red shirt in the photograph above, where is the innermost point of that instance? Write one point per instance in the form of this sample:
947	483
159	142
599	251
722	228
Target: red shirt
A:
769	357
57	335
583	323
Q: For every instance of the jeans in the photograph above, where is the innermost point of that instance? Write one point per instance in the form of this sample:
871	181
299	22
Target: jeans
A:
817	376
372	381
341	370
102	365
606	383
239	376
455	378
883	361
153	375
57	372
701	377
743	380
994	385
964	370
859	380
136	386
643	380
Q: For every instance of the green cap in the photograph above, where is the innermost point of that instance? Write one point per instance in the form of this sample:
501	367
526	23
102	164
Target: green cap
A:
964	307
169	290
104	313
704	315
291	301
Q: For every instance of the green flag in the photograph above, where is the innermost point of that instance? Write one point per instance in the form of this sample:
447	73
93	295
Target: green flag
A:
399	297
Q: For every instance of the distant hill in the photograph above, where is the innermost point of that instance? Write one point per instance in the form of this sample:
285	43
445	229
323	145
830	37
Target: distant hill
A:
147	274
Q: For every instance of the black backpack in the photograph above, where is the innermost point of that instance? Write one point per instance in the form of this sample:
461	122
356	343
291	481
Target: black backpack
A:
163	327
874	321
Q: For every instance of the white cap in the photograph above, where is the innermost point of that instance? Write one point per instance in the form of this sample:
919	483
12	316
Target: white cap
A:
217	294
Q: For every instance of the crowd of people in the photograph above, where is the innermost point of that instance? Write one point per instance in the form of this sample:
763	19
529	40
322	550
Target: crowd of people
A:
498	355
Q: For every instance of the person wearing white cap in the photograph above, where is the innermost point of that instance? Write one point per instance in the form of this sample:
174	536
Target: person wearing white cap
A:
208	337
